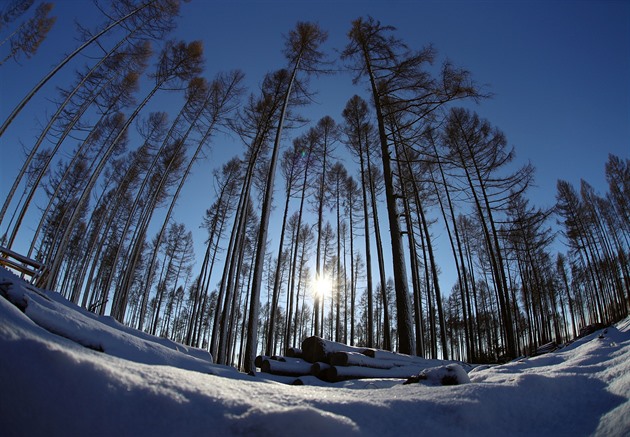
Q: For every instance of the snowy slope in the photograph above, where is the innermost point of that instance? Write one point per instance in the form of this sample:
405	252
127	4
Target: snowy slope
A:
52	384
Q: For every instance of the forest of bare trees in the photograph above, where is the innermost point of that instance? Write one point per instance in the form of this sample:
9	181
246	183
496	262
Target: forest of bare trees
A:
362	197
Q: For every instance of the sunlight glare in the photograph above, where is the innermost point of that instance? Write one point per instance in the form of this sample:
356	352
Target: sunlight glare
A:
322	286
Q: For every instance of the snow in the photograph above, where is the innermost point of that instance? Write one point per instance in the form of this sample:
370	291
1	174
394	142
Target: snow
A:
57	315
129	383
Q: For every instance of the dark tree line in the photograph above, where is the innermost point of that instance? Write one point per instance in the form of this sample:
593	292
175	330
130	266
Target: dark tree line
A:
405	158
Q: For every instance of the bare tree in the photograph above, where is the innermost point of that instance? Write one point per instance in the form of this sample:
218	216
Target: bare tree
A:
480	151
358	130
302	52
290	167
215	220
29	36
400	83
114	94
214	102
336	179
153	11
178	62
150	23
327	135
254	124
306	145
351	193
14	10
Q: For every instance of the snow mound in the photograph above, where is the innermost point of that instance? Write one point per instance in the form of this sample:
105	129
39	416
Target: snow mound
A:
451	374
59	316
289	421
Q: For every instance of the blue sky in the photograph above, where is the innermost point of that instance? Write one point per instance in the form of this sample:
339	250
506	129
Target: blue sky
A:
559	72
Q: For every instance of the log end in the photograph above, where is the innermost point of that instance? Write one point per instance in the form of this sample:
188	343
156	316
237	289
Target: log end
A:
314	349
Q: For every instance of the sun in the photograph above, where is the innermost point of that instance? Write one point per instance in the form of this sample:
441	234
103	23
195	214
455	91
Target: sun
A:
322	286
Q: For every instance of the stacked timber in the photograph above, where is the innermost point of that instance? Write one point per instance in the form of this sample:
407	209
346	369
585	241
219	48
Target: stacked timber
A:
334	362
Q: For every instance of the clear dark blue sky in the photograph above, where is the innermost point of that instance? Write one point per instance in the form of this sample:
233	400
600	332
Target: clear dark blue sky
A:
559	72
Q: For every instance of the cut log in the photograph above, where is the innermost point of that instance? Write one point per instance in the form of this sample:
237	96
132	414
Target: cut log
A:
402	359
294	352
342	373
259	360
317	368
357	359
290	367
392	356
316	349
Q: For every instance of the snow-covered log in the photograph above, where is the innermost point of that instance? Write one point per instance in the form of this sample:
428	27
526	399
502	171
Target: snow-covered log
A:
545	348
316	349
317	368
294	352
342	373
289	367
259	360
394	356
359	359
334	362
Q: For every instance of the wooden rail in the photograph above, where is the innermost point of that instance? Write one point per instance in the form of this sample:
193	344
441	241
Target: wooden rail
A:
26	266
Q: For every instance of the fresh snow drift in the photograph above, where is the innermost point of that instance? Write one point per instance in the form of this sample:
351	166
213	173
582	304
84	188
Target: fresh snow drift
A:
65	371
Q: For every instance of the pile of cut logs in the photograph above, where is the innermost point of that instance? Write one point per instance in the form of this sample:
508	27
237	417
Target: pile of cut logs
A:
333	362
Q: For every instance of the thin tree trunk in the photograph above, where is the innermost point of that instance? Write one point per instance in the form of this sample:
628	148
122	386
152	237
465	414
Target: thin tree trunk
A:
276	281
368	256
387	342
54	270
254	307
406	342
297	240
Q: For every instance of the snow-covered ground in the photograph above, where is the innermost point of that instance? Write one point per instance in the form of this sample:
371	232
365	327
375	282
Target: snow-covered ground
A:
64	371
